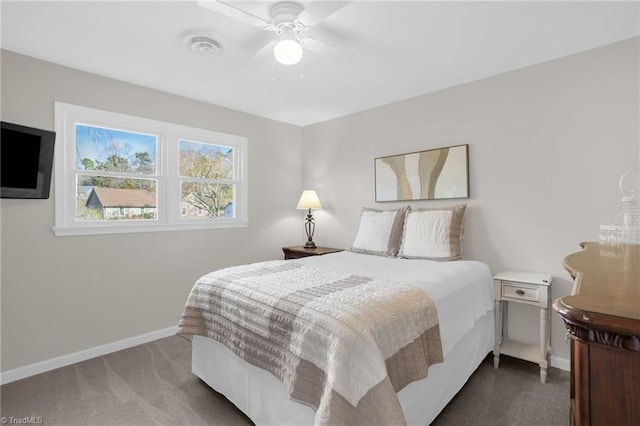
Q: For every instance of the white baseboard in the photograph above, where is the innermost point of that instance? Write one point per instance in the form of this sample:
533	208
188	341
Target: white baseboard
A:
62	361
561	363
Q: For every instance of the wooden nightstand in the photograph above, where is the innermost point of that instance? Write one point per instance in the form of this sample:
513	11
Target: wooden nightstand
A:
531	289
296	252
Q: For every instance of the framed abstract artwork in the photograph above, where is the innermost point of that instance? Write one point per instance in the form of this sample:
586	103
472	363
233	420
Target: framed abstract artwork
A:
434	174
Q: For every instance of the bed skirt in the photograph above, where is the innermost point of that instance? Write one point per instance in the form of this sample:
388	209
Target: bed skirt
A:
262	397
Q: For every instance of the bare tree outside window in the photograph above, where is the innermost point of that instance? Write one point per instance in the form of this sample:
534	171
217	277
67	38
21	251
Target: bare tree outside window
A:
206	172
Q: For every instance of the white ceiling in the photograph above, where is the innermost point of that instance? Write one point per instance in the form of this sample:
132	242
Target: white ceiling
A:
402	49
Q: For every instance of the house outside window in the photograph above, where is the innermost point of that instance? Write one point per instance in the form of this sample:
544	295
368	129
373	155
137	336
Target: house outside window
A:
117	173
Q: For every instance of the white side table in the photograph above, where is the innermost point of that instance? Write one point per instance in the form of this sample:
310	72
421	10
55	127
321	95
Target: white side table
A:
531	289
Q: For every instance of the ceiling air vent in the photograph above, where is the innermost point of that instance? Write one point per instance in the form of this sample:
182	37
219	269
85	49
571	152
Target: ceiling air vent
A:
204	45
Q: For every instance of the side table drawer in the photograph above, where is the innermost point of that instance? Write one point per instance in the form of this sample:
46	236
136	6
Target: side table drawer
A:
298	252
522	292
297	255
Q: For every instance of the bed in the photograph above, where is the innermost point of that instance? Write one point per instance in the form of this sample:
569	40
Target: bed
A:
380	378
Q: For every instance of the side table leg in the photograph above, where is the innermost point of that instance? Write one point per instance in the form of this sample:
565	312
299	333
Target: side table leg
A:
544	344
498	337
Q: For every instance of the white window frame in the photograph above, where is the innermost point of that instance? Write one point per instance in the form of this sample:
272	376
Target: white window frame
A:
169	217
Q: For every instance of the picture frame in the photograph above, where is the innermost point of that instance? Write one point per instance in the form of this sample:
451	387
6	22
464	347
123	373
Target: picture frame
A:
434	174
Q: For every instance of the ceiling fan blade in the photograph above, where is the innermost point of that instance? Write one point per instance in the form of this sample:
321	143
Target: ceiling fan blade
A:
264	52
326	50
229	9
318	10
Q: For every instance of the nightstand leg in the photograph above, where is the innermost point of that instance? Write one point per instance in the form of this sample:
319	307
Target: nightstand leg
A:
544	344
498	338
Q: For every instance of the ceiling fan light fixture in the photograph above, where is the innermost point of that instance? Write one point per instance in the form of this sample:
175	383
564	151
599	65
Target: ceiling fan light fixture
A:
288	51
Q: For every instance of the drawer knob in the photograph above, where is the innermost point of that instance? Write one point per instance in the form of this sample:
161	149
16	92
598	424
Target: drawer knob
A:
520	292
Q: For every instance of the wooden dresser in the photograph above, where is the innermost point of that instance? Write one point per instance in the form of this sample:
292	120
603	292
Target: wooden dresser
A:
602	316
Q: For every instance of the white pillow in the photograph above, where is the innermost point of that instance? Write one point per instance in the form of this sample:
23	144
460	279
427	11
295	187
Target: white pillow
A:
379	232
434	234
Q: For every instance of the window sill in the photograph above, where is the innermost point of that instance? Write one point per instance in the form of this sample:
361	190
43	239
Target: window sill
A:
126	228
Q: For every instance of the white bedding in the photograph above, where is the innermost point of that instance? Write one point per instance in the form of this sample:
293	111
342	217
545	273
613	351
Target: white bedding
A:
462	290
463	295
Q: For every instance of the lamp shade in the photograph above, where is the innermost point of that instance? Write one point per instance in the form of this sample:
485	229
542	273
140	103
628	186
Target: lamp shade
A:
309	200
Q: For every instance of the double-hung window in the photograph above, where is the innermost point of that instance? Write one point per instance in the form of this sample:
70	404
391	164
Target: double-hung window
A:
116	173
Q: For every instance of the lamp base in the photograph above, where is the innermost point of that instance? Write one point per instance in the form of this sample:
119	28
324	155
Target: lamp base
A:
309	245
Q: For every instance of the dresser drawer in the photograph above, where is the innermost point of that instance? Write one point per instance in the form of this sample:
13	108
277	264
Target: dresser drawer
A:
519	291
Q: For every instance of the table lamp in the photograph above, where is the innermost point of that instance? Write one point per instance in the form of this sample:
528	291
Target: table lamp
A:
309	200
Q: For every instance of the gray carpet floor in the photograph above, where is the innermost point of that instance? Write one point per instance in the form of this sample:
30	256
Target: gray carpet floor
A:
151	384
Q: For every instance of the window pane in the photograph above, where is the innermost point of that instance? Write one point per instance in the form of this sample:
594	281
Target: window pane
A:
206	200
205	161
104	198
98	148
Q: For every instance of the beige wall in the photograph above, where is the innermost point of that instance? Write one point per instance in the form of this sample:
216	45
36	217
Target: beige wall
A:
547	145
61	295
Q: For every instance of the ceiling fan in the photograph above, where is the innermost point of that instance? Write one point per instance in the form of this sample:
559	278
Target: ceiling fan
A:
288	21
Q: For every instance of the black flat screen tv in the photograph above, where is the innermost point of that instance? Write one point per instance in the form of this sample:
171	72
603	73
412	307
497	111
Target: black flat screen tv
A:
26	161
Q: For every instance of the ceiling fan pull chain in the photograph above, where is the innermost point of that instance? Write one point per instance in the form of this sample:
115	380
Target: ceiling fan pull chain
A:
302	68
